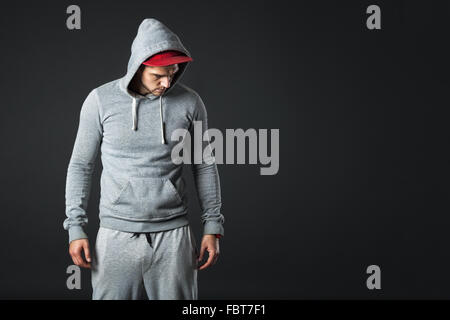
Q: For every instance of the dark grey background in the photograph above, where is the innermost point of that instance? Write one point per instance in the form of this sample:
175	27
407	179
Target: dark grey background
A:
364	156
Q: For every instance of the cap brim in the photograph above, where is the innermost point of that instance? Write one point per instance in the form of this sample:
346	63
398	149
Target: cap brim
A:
169	61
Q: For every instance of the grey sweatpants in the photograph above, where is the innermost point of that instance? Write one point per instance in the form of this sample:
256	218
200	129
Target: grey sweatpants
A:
162	263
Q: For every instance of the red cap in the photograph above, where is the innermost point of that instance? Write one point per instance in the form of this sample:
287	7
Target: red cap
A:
167	58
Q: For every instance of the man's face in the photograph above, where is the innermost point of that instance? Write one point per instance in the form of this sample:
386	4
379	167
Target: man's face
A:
158	79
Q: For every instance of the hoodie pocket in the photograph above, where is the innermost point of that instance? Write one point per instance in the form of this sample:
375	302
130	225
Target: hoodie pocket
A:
146	199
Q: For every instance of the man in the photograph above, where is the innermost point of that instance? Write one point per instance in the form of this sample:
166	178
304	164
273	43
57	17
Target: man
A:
145	244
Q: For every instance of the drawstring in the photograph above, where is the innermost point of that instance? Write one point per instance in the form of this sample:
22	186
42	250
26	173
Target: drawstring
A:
147	234
134	115
163	141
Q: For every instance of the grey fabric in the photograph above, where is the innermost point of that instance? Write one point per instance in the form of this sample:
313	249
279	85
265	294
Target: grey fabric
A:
162	265
141	188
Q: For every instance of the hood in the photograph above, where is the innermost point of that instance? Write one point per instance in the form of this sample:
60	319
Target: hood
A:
152	37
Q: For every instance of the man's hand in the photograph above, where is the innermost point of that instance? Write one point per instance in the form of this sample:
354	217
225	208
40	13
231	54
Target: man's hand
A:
76	247
211	244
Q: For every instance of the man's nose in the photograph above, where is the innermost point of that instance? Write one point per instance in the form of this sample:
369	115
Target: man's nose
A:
165	82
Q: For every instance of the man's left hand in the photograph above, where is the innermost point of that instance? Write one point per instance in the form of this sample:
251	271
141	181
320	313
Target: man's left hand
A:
211	244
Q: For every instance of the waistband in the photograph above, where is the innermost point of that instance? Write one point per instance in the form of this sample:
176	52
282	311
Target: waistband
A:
147	234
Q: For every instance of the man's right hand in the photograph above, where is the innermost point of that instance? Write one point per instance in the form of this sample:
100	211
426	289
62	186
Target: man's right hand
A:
76	248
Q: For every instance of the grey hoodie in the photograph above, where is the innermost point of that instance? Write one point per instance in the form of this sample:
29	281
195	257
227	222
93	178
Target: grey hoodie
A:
142	189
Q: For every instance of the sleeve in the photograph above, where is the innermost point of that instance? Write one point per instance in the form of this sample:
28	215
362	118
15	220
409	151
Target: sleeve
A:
81	167
206	174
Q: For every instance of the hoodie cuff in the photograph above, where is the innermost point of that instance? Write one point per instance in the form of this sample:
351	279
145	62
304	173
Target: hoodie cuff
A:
76	232
213	227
